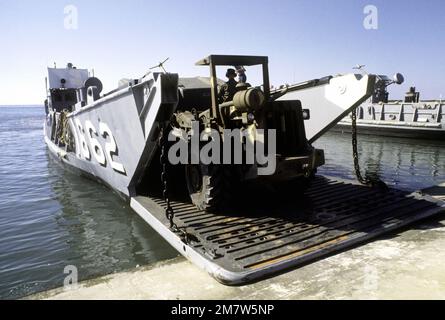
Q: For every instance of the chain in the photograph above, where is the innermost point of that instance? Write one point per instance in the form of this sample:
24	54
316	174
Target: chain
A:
360	178
64	133
354	149
59	129
169	212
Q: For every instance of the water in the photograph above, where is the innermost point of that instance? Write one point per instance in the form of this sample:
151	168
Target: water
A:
406	164
50	219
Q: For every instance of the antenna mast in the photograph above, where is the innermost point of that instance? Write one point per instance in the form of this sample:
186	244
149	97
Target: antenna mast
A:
160	65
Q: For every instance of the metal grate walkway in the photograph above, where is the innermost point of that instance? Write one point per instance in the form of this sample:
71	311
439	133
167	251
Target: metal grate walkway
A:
247	243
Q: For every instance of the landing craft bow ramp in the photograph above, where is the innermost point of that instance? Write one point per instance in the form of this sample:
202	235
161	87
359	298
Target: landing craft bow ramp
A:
242	245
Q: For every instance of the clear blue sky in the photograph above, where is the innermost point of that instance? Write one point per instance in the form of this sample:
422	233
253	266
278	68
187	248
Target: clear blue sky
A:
303	39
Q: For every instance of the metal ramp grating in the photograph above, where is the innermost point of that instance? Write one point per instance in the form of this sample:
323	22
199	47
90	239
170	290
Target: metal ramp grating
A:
247	243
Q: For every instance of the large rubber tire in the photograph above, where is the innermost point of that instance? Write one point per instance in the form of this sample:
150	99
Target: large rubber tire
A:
211	187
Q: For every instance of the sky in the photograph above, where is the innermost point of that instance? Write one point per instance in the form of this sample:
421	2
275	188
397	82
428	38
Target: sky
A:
303	40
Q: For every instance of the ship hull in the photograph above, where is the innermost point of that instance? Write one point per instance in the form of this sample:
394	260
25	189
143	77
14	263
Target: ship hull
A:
420	120
116	137
330	99
392	131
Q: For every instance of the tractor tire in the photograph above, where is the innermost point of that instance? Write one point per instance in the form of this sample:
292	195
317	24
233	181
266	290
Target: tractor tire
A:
210	187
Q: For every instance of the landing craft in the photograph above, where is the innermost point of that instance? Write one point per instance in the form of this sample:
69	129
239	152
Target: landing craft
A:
114	136
122	138
409	117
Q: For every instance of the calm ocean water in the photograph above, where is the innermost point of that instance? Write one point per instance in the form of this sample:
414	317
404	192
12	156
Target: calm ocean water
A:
50	218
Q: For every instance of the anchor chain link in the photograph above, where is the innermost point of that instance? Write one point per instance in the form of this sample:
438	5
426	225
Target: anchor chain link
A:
169	212
363	180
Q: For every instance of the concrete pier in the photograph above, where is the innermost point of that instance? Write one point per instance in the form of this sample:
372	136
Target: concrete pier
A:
408	264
